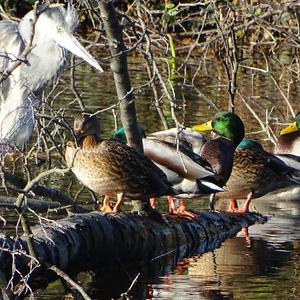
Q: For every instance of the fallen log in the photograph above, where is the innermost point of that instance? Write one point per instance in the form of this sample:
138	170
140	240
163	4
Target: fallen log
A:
87	241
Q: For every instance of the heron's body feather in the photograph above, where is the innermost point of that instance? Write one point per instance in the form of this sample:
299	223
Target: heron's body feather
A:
21	90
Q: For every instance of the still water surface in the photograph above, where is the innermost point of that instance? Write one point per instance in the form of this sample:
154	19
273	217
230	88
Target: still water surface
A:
266	266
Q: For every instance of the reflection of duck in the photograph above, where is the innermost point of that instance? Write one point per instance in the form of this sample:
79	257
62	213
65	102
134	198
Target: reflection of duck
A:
235	269
289	139
256	172
188	172
110	167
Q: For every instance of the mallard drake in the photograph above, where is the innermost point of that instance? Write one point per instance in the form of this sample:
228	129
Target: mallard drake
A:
255	173
220	152
251	144
291	160
186	137
289	139
190	175
110	168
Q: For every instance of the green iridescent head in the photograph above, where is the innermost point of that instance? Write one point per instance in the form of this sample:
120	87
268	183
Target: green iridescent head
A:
250	144
120	135
225	124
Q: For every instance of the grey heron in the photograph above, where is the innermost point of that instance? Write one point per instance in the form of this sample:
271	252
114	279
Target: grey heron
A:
20	91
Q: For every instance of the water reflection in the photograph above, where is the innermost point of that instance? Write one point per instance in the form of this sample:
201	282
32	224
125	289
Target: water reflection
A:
264	268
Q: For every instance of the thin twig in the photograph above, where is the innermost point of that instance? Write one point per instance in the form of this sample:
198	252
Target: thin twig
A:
69	280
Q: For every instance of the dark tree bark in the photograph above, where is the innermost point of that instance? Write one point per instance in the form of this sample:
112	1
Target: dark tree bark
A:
120	71
35	204
87	241
39	190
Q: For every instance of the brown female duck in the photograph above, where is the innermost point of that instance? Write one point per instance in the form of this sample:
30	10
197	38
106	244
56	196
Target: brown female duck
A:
255	173
112	168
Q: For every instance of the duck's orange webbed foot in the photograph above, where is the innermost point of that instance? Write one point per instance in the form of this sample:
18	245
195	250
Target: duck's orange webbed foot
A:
106	207
181	210
184	212
233	207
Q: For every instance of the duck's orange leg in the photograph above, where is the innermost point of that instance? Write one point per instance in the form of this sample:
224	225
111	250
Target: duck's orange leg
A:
106	205
233	207
152	202
172	206
120	199
245	208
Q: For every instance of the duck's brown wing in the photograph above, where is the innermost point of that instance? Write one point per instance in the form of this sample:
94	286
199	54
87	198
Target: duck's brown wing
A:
131	170
257	171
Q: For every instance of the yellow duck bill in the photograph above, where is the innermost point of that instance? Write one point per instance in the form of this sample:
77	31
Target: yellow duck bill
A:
203	127
291	128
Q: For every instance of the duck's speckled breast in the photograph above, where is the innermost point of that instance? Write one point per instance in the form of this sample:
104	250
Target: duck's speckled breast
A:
110	167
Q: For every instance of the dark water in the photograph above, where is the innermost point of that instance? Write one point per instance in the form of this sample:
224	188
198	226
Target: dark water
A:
262	266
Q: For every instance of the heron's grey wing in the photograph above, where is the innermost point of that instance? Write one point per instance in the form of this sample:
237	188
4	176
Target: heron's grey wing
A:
11	46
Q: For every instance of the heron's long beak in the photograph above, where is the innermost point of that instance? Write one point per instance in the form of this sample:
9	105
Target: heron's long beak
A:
70	43
203	127
291	128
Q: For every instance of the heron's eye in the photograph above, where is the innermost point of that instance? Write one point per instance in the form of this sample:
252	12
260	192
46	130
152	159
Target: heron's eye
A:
59	29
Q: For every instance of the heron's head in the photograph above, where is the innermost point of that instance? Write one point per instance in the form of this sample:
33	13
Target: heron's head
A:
86	124
56	24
